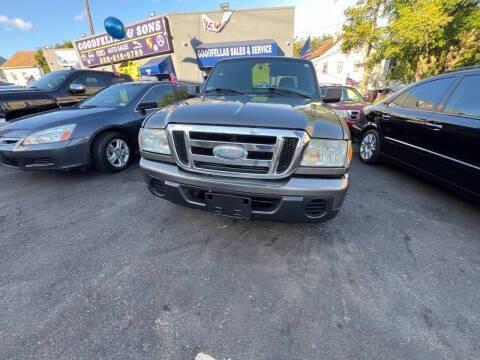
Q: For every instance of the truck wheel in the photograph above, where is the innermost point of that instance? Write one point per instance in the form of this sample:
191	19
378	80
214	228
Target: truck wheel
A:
370	147
111	152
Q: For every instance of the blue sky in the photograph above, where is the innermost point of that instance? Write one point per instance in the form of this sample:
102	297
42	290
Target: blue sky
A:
29	24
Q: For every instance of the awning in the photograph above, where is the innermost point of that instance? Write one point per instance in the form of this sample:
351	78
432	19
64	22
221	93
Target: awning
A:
209	54
162	65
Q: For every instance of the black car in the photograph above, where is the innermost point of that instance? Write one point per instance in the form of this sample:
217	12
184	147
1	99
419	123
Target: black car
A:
57	89
101	131
432	127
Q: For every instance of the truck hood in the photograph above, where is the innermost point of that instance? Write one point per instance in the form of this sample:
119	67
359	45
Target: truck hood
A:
20	91
32	124
347	105
248	111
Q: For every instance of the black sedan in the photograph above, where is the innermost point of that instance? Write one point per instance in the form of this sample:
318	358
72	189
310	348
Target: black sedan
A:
431	127
102	131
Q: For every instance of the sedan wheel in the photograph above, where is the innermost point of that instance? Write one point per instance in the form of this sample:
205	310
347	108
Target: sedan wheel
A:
370	147
118	153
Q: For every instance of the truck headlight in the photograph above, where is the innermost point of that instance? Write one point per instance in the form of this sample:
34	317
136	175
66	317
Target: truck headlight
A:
52	135
327	153
154	140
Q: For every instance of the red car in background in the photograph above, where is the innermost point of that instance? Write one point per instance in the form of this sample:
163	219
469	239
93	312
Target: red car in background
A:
351	102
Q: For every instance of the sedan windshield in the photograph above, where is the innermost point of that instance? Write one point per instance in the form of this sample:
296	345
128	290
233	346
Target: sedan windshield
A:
115	96
50	81
272	77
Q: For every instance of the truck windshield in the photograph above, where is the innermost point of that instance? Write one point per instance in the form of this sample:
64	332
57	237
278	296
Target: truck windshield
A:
115	96
50	81
272	77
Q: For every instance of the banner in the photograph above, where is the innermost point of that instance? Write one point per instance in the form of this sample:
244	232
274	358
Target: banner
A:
149	37
210	25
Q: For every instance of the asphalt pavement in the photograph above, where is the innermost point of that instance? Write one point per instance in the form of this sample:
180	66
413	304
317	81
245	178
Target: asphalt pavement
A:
92	266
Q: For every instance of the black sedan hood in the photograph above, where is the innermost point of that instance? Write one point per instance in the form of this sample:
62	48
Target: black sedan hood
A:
27	126
313	117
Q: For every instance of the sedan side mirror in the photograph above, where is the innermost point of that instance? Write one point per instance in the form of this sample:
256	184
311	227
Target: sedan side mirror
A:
77	89
147	105
333	95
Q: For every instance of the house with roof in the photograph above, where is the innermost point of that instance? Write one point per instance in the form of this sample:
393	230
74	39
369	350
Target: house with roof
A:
333	66
2	75
22	68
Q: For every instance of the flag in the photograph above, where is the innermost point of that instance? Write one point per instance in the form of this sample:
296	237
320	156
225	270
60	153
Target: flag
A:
173	78
307	49
351	82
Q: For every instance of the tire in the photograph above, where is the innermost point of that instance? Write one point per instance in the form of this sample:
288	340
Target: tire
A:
369	147
111	152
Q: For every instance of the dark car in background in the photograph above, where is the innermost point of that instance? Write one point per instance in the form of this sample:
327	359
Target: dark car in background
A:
101	131
350	105
62	88
431	127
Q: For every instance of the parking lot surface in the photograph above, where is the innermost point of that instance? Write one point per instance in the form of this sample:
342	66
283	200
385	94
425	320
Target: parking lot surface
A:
92	266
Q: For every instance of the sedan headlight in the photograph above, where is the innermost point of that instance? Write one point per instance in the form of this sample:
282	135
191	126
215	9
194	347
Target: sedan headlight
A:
154	140
52	135
327	153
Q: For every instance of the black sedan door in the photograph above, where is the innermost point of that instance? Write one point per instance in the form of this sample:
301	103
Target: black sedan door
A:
457	138
409	125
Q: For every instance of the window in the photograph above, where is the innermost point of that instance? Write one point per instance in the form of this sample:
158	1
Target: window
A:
51	80
258	76
161	94
399	100
465	100
325	68
93	81
115	96
14	76
339	67
428	95
356	66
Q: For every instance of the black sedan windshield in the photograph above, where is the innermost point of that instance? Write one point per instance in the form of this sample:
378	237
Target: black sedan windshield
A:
115	96
273	77
51	81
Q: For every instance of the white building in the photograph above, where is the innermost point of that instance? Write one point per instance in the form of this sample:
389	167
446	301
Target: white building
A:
335	67
22	68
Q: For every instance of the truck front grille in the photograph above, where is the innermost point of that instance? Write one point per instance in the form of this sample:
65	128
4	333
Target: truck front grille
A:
267	153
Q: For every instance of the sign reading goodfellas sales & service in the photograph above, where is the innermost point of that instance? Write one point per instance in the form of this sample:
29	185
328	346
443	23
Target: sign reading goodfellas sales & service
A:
150	37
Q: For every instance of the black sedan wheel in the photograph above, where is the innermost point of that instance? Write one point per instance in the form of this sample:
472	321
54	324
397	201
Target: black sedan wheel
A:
111	152
370	147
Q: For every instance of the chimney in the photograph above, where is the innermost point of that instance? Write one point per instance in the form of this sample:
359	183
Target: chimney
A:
225	6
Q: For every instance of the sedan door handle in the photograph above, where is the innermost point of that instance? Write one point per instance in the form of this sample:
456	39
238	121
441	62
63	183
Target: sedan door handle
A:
385	116
434	126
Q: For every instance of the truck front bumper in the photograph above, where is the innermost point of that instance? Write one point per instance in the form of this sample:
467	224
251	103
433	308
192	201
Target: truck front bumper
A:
295	199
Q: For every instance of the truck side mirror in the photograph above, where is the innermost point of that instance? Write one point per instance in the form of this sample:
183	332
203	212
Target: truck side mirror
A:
147	105
332	95
77	89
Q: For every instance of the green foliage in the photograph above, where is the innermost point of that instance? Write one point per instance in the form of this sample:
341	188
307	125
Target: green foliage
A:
316	42
422	37
64	45
41	61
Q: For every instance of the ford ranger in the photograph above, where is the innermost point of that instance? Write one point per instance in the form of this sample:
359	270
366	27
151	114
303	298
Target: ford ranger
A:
258	143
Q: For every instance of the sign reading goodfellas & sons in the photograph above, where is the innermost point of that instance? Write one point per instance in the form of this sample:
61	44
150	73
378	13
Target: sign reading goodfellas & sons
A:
150	37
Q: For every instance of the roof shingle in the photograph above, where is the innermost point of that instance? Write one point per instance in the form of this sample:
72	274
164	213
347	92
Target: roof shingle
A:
21	59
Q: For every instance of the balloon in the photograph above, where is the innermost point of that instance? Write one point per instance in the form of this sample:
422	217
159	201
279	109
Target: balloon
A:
114	27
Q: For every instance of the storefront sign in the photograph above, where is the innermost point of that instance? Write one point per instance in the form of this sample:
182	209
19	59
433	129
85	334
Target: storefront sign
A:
210	25
209	54
150	37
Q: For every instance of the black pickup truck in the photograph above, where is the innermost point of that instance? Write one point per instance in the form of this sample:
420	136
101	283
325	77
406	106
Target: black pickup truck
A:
259	143
61	88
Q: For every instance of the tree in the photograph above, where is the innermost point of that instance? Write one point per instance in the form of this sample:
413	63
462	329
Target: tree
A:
316	42
427	37
41	61
361	31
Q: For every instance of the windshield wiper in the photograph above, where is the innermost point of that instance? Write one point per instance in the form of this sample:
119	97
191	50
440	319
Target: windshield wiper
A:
223	91
287	92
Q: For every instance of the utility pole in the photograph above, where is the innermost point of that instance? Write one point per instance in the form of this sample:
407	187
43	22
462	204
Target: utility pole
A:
89	17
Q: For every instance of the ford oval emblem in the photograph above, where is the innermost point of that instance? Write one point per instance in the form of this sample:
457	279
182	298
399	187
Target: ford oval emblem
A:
230	152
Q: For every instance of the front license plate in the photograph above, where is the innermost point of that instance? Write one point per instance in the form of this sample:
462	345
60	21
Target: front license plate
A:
229	205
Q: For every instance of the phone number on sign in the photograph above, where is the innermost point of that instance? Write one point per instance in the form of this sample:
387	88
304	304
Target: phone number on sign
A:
121	57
